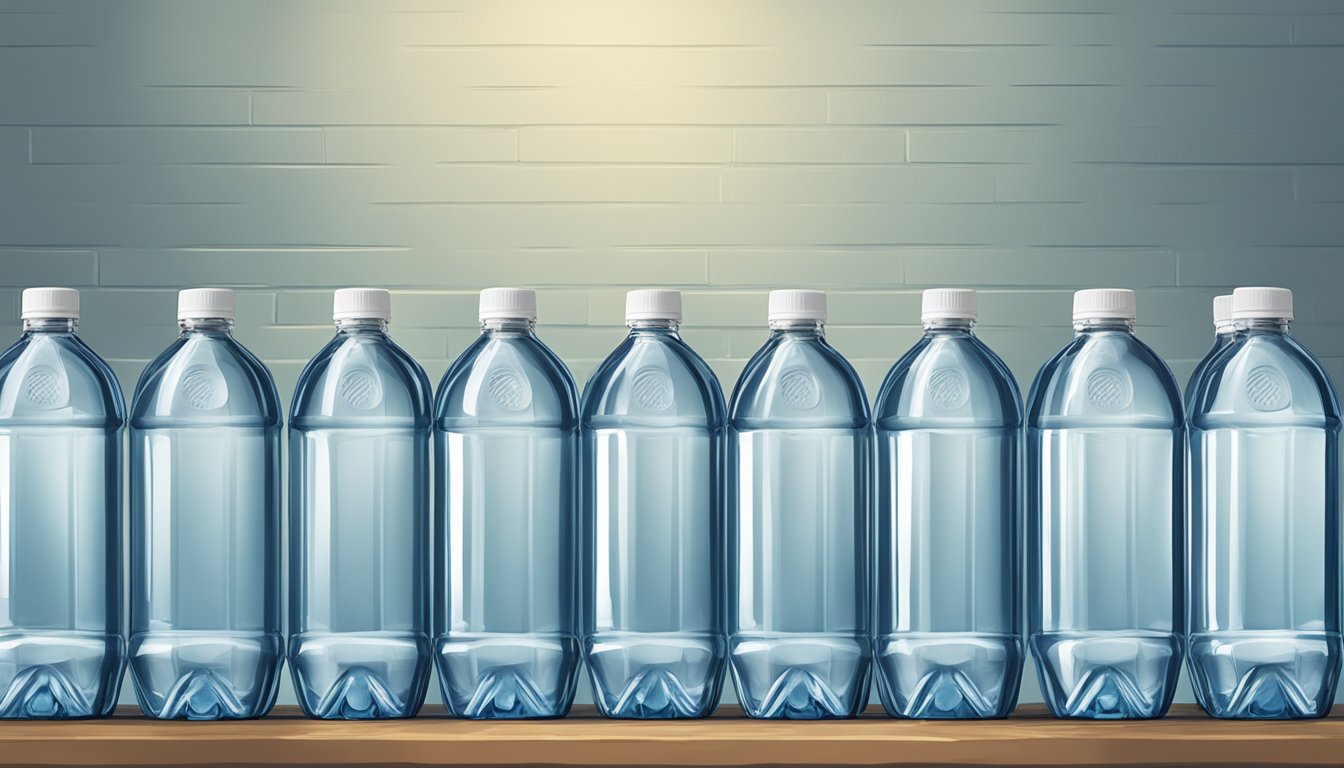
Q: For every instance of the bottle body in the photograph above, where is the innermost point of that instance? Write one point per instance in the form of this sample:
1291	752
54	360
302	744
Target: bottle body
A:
653	432
799	452
948	640
62	651
359	518
1264	485
506	448
205	532
1106	481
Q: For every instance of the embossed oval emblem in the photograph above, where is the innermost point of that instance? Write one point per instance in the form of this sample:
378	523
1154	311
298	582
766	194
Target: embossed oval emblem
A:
45	387
1109	389
1267	389
508	389
203	388
948	388
653	389
799	388
360	388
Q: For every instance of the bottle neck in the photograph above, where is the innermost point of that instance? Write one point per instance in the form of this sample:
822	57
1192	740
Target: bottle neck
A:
1264	324
1103	324
205	325
942	326
804	328
660	326
508	325
361	325
50	325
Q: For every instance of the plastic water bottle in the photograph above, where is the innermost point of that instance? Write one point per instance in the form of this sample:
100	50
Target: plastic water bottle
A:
799	434
949	431
1105	471
359	521
506	449
653	432
1223	329
61	648
205	523
1264	452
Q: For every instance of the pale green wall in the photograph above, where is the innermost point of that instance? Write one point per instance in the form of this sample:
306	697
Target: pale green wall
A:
869	147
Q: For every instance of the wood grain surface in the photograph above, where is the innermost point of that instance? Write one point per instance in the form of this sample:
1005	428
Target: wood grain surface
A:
1186	737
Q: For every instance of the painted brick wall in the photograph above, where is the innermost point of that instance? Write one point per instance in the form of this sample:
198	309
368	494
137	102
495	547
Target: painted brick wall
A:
869	147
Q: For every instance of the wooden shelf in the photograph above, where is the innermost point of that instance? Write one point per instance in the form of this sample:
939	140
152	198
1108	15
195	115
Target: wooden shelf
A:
1186	737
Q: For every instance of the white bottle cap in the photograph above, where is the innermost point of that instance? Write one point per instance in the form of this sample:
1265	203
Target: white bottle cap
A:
508	304
1262	303
50	302
199	303
1222	313
361	303
1104	304
949	304
653	304
797	305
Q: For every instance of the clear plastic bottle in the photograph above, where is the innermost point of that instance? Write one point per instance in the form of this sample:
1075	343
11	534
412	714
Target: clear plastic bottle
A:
1223	330
1264	481
62	653
205	523
653	432
506	450
359	521
949	430
1106	484
798	520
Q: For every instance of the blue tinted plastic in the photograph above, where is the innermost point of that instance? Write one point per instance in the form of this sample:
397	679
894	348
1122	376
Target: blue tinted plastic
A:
653	431
205	530
1221	341
1106	483
798	518
359	524
505	609
1264	614
62	653
948	640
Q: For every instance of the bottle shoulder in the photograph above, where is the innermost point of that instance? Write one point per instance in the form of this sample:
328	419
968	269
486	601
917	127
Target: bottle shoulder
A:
507	380
58	380
1264	378
1201	370
1106	379
949	382
205	380
798	382
654	380
361	380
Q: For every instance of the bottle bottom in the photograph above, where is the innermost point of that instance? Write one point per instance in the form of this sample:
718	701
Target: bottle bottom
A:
796	676
948	675
1265	675
359	675
1107	675
199	675
59	675
656	675
489	676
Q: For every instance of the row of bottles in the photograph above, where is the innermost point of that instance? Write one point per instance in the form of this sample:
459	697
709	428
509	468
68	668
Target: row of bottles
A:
662	535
